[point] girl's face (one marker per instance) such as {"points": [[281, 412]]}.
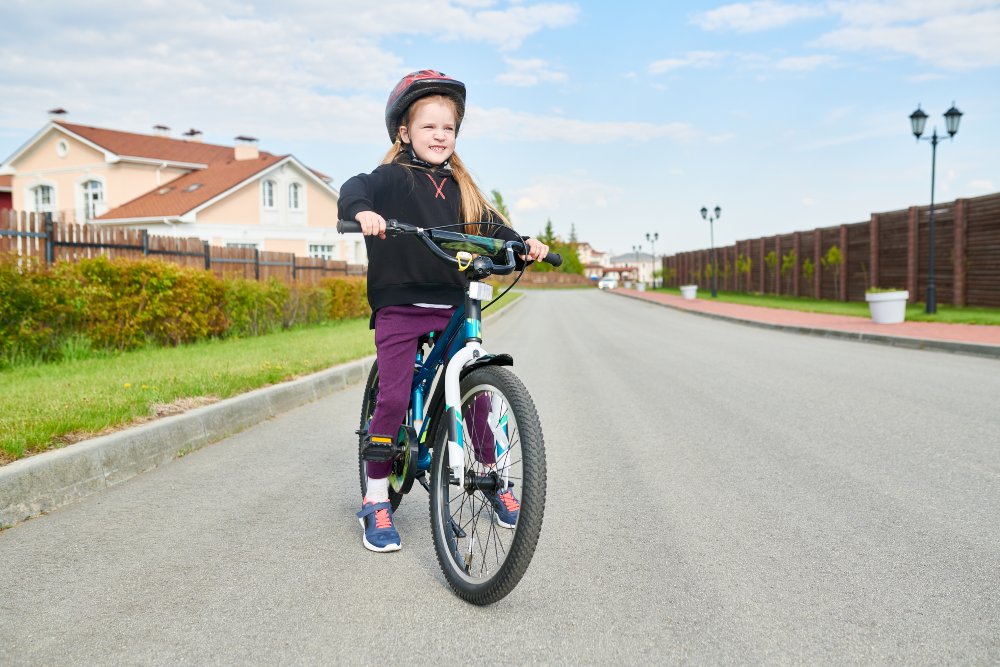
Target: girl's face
{"points": [[431, 129]]}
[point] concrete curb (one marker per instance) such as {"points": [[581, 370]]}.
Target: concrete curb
{"points": [[39, 484], [976, 349], [50, 480]]}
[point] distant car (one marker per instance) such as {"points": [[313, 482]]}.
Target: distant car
{"points": [[607, 282]]}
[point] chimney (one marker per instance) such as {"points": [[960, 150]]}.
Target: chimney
{"points": [[57, 113], [193, 135], [161, 130], [246, 148]]}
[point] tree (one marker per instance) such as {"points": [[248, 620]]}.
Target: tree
{"points": [[808, 271], [788, 262], [500, 206], [832, 261], [572, 234], [743, 266], [771, 262], [548, 237]]}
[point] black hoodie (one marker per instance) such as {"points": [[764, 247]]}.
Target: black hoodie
{"points": [[401, 270]]}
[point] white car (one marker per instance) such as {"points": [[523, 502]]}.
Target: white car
{"points": [[607, 282]]}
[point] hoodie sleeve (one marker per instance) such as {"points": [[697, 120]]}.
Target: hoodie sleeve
{"points": [[363, 192]]}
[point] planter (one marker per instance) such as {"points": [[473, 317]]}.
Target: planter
{"points": [[689, 292], [887, 307]]}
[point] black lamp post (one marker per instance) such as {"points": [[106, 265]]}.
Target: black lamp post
{"points": [[918, 119], [711, 231], [653, 238]]}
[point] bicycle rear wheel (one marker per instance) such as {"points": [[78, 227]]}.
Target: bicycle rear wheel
{"points": [[367, 410], [503, 450]]}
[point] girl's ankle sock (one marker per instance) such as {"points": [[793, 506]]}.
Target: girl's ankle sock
{"points": [[377, 490]]}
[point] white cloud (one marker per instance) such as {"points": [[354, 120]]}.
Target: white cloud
{"points": [[694, 59], [563, 194], [804, 63], [982, 185], [530, 72], [955, 40], [754, 16], [506, 125]]}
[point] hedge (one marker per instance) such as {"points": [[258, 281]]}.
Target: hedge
{"points": [[125, 304]]}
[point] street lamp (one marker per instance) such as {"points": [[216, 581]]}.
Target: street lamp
{"points": [[711, 231], [917, 121], [653, 238]]}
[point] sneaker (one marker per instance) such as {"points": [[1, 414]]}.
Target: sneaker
{"points": [[505, 507], [376, 520]]}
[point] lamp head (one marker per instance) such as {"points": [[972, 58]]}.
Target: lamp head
{"points": [[951, 118], [718, 212], [704, 213], [918, 119]]}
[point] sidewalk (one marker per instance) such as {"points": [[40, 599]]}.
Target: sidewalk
{"points": [[961, 338]]}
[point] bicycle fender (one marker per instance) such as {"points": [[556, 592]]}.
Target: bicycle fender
{"points": [[501, 359]]}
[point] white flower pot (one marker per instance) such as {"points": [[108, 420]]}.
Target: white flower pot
{"points": [[887, 307], [689, 291]]}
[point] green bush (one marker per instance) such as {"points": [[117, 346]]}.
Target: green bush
{"points": [[34, 315], [113, 305], [128, 304], [348, 297]]}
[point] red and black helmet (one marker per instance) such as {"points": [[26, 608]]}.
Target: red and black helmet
{"points": [[415, 85]]}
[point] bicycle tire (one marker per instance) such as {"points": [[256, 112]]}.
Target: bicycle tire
{"points": [[500, 560], [367, 409]]}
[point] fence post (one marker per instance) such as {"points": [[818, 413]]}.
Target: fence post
{"points": [[912, 248], [843, 267], [256, 264], [145, 243], [50, 241], [961, 227], [208, 257], [873, 251], [818, 264], [294, 267]]}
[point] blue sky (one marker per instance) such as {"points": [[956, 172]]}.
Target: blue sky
{"points": [[616, 119]]}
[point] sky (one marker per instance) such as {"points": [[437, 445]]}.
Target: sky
{"points": [[613, 120]]}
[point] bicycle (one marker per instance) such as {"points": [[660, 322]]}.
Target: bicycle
{"points": [[471, 425]]}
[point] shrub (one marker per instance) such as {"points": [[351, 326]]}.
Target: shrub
{"points": [[348, 297], [253, 308], [34, 315]]}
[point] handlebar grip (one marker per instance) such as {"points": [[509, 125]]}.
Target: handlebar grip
{"points": [[553, 258], [348, 226]]}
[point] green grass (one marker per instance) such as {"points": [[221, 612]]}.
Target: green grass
{"points": [[914, 312], [46, 406], [49, 405]]}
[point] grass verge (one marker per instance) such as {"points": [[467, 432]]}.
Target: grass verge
{"points": [[51, 405], [914, 312]]}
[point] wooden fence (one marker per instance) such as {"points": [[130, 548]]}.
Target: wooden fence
{"points": [[34, 235], [889, 250]]}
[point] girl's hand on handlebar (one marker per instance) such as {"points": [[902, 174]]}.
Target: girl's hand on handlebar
{"points": [[537, 250], [372, 224]]}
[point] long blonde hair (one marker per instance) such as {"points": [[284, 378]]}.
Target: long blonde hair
{"points": [[475, 205]]}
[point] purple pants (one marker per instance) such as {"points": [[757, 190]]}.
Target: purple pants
{"points": [[397, 329]]}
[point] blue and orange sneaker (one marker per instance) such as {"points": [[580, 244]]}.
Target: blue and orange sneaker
{"points": [[380, 533], [505, 507]]}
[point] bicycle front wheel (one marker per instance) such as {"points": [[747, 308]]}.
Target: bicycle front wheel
{"points": [[485, 531]]}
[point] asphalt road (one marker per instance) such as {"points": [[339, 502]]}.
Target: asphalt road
{"points": [[716, 494]]}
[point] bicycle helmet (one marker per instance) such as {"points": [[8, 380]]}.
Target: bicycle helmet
{"points": [[415, 85]]}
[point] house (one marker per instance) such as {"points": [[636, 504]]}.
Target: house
{"points": [[237, 196], [595, 262], [637, 266]]}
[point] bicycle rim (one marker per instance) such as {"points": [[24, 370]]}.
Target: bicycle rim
{"points": [[502, 446]]}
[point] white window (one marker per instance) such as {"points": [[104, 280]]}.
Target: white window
{"points": [[295, 196], [321, 251], [251, 246], [267, 192], [44, 198], [93, 199]]}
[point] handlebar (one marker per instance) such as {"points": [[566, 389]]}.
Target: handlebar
{"points": [[433, 237]]}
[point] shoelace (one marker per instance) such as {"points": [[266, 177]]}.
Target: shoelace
{"points": [[509, 501], [382, 519]]}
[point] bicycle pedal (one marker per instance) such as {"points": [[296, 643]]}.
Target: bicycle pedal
{"points": [[379, 449]]}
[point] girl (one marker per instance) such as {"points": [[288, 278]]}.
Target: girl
{"points": [[421, 181]]}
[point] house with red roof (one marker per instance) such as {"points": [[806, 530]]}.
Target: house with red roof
{"points": [[227, 195]]}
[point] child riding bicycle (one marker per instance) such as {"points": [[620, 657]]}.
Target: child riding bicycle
{"points": [[423, 181]]}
